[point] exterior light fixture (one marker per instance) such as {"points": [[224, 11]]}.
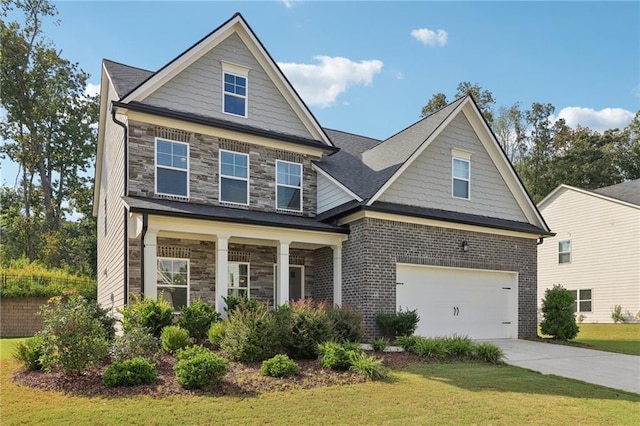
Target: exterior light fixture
{"points": [[465, 246]]}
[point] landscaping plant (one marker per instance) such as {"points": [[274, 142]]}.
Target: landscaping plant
{"points": [[28, 353], [489, 353], [379, 344], [251, 335], [279, 366], [459, 346], [408, 343], [431, 347], [216, 333], [148, 313], [345, 323], [617, 316], [309, 325], [197, 319], [130, 372], [369, 366], [401, 323], [559, 320], [336, 356], [174, 337], [136, 342], [198, 367]]}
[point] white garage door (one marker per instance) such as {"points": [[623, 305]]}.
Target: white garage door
{"points": [[477, 303]]}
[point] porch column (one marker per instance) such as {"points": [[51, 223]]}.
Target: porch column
{"points": [[282, 279], [222, 276], [150, 265], [337, 274]]}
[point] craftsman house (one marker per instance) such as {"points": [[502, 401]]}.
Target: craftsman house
{"points": [[214, 178]]}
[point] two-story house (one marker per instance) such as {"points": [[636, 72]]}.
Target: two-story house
{"points": [[214, 178]]}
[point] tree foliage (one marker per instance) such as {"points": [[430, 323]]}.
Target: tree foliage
{"points": [[557, 309], [483, 98]]}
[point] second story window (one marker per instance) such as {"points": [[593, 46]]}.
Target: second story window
{"points": [[234, 89], [234, 177], [564, 251], [172, 168], [288, 186], [461, 178]]}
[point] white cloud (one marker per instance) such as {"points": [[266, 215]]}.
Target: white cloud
{"points": [[429, 37], [321, 84], [288, 3], [607, 118], [92, 89]]}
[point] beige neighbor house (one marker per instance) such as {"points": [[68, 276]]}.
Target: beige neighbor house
{"points": [[596, 250], [214, 178]]}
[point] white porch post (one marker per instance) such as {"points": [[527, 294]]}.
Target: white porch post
{"points": [[150, 265], [222, 277], [282, 282], [337, 274]]}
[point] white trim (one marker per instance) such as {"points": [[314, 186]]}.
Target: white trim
{"points": [[546, 200], [275, 281], [336, 182], [155, 167], [243, 73], [454, 177], [460, 153], [247, 287], [234, 68], [220, 151], [159, 286], [278, 208]]}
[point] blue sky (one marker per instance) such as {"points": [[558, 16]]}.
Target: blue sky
{"points": [[369, 67]]}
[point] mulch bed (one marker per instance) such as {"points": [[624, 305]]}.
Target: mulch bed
{"points": [[241, 379]]}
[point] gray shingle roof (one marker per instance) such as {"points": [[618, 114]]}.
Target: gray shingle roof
{"points": [[627, 191], [125, 78]]}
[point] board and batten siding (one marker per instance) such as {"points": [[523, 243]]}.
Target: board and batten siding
{"points": [[605, 252], [330, 195], [198, 90], [427, 182], [111, 265]]}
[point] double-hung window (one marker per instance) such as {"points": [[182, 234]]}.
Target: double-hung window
{"points": [[288, 186], [234, 89], [581, 300], [564, 251], [234, 177], [461, 174], [173, 282], [239, 279], [172, 168]]}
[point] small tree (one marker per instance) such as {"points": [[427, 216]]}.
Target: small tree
{"points": [[557, 309]]}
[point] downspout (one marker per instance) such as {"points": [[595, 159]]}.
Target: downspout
{"points": [[125, 192], [540, 241], [145, 226]]}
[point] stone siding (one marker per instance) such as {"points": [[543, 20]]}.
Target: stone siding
{"points": [[19, 317]]}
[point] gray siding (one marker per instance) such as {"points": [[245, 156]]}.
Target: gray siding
{"points": [[427, 181], [330, 195], [198, 90]]}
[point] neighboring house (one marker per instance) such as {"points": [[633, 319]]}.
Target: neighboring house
{"points": [[214, 178], [596, 250]]}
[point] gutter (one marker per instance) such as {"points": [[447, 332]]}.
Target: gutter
{"points": [[145, 227], [125, 191]]}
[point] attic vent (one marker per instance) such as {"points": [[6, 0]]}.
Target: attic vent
{"points": [[289, 156], [239, 256], [235, 146], [293, 260], [172, 134], [175, 252]]}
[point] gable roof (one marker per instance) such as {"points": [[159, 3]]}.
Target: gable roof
{"points": [[125, 78], [626, 193]]}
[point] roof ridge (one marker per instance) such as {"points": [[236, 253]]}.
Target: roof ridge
{"points": [[126, 65], [353, 134]]}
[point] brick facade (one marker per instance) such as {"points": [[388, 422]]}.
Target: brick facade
{"points": [[19, 317]]}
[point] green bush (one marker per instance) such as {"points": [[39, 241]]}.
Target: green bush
{"points": [[488, 352], [197, 318], [173, 337], [131, 372], [74, 339], [345, 323], [148, 313], [241, 302], [459, 346], [309, 326], [408, 343], [434, 347], [137, 342], [216, 333], [379, 344], [31, 279], [401, 323], [279, 366], [198, 367], [28, 353], [251, 335], [335, 356], [369, 366], [108, 322], [557, 310], [617, 316]]}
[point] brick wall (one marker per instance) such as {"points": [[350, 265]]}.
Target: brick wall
{"points": [[19, 317]]}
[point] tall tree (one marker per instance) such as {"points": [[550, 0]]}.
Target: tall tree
{"points": [[437, 101], [509, 127], [483, 98], [628, 150]]}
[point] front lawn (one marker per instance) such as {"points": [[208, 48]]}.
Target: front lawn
{"points": [[620, 338], [456, 393]]}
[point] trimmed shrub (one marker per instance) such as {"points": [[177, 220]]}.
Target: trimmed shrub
{"points": [[335, 356], [216, 333], [136, 342], [309, 326], [241, 302], [28, 353], [198, 367], [559, 320], [148, 313], [197, 319], [379, 344], [401, 323], [435, 347], [108, 322], [174, 337], [130, 372], [488, 352], [369, 366], [345, 323], [279, 366], [408, 343], [459, 346], [251, 335]]}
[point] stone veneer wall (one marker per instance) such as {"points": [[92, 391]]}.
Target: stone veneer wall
{"points": [[203, 165], [19, 317], [375, 246]]}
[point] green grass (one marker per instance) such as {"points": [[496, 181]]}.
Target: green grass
{"points": [[421, 394], [620, 338]]}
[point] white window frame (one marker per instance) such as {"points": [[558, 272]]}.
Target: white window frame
{"points": [[454, 177], [237, 71], [560, 253], [578, 300], [275, 280], [220, 176], [161, 286], [247, 287], [289, 186], [156, 165]]}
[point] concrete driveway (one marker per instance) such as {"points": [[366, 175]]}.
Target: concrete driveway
{"points": [[616, 371]]}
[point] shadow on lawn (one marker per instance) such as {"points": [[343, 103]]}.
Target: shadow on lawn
{"points": [[481, 377]]}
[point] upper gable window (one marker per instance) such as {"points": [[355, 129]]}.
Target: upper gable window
{"points": [[288, 186], [234, 177], [234, 89], [461, 173], [172, 168]]}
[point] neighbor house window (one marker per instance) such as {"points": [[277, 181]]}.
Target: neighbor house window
{"points": [[234, 89], [234, 177], [288, 186], [564, 251], [461, 178], [239, 279], [173, 282], [172, 168], [582, 300]]}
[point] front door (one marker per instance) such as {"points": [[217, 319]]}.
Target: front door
{"points": [[296, 282]]}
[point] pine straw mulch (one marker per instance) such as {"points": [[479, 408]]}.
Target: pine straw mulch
{"points": [[241, 379]]}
